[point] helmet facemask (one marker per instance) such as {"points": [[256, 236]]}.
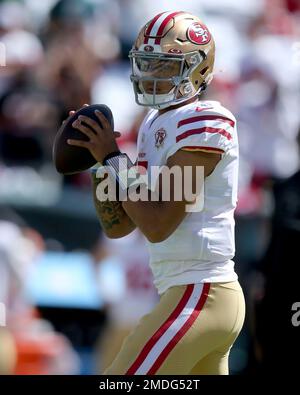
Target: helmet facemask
{"points": [[163, 80]]}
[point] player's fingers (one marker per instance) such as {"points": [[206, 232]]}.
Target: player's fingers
{"points": [[79, 143], [85, 130], [89, 121], [104, 122], [70, 114]]}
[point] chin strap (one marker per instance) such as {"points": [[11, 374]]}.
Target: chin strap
{"points": [[203, 87]]}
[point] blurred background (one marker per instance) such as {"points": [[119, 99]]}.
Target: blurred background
{"points": [[70, 294]]}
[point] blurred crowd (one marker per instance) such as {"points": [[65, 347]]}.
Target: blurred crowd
{"points": [[57, 55]]}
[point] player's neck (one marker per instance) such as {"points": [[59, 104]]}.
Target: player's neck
{"points": [[191, 100]]}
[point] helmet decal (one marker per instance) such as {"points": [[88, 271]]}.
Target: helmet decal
{"points": [[198, 33], [148, 48], [175, 50]]}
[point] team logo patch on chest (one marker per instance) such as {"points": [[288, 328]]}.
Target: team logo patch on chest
{"points": [[160, 136]]}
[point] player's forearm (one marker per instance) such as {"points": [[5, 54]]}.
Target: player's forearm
{"points": [[114, 220]]}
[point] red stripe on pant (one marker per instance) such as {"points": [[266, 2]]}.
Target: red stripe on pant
{"points": [[182, 331], [162, 329]]}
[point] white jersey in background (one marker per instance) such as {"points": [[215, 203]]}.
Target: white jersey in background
{"points": [[202, 247], [125, 280]]}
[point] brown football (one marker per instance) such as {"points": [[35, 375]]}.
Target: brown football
{"points": [[69, 159]]}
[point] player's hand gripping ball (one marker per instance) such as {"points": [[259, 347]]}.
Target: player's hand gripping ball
{"points": [[84, 139]]}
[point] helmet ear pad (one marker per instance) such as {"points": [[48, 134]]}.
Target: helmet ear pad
{"points": [[199, 78], [202, 75], [185, 88]]}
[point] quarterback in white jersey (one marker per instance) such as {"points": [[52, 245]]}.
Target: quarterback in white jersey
{"points": [[202, 246], [201, 310]]}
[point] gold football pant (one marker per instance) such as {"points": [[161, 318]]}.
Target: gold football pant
{"points": [[7, 352], [190, 331]]}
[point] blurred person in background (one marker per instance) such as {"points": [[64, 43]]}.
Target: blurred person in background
{"points": [[7, 352], [275, 329], [126, 284], [23, 54], [33, 347]]}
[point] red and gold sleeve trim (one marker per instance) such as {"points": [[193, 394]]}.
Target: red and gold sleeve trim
{"points": [[205, 149]]}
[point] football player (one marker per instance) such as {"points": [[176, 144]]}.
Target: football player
{"points": [[201, 309]]}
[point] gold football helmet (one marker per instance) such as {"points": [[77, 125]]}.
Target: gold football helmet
{"points": [[172, 60]]}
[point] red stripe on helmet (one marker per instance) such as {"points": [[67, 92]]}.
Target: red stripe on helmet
{"points": [[149, 28], [164, 24]]}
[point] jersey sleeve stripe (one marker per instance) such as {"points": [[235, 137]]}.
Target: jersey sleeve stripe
{"points": [[201, 118], [192, 132], [201, 148]]}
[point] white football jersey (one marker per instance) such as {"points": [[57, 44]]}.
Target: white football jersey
{"points": [[202, 247]]}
